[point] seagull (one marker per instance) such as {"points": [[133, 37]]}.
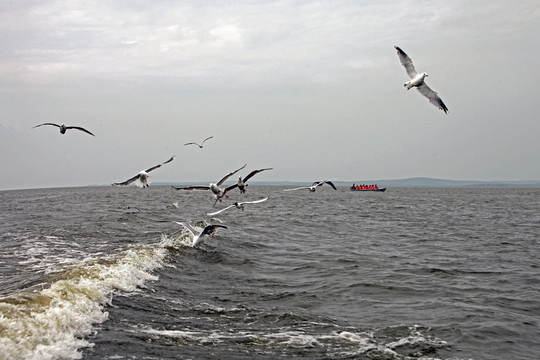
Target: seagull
{"points": [[216, 189], [417, 80], [313, 187], [142, 178], [242, 182], [199, 145], [198, 236], [239, 205], [63, 128]]}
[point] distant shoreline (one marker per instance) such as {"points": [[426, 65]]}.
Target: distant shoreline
{"points": [[417, 182], [408, 182]]}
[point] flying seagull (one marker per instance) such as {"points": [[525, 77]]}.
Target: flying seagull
{"points": [[142, 178], [63, 128], [216, 189], [199, 145], [239, 205], [198, 236], [242, 182], [313, 187], [417, 80]]}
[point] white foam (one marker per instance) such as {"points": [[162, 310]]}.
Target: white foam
{"points": [[53, 322], [345, 343]]}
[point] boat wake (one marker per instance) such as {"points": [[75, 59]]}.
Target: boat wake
{"points": [[53, 322], [317, 340]]}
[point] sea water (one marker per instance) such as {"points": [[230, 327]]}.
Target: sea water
{"points": [[106, 273]]}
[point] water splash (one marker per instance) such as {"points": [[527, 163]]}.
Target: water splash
{"points": [[53, 322]]}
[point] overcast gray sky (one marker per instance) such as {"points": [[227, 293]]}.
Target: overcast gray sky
{"points": [[312, 88]]}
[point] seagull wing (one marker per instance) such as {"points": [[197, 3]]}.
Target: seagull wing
{"points": [[298, 188], [191, 143], [253, 173], [406, 62], [220, 211], [157, 166], [227, 189], [229, 175], [79, 128], [129, 181], [212, 229], [208, 138], [196, 187], [318, 183], [331, 184], [432, 96], [46, 124], [189, 228]]}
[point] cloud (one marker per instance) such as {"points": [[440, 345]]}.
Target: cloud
{"points": [[306, 87], [178, 39]]}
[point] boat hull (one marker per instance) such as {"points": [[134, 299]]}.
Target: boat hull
{"points": [[379, 190]]}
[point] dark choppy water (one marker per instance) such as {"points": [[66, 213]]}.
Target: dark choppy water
{"points": [[410, 273]]}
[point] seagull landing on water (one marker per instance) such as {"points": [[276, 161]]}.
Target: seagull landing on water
{"points": [[417, 80], [199, 236], [238, 205], [313, 187], [199, 145], [242, 182], [142, 178], [63, 128], [216, 189]]}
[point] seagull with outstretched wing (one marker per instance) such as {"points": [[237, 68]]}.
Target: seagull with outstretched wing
{"points": [[199, 145], [199, 236], [242, 182], [63, 128], [218, 191], [418, 81], [238, 205], [143, 179], [313, 187]]}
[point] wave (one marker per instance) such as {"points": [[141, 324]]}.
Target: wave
{"points": [[53, 322], [401, 342]]}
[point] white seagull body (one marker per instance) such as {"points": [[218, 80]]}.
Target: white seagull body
{"points": [[418, 81], [242, 182], [238, 205], [216, 189], [199, 236], [199, 145], [313, 187], [143, 179], [63, 128]]}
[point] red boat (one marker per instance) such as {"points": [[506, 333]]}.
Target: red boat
{"points": [[367, 188]]}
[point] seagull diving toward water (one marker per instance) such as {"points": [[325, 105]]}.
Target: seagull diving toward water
{"points": [[313, 187], [199, 145], [216, 189], [242, 182], [63, 128], [417, 80], [239, 205], [199, 236], [142, 178]]}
